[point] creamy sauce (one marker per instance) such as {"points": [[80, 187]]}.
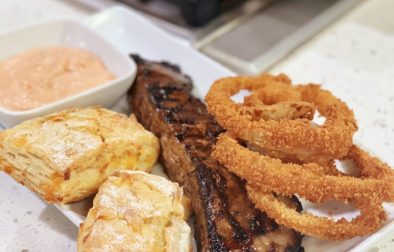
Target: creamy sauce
{"points": [[45, 75]]}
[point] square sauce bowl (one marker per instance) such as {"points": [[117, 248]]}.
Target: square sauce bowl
{"points": [[69, 33]]}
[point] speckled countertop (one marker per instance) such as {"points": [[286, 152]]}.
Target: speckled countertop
{"points": [[354, 58]]}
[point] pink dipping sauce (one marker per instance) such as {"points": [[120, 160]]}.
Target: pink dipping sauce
{"points": [[44, 75]]}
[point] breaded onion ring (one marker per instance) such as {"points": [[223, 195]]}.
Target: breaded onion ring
{"points": [[309, 181], [277, 101], [329, 165], [298, 137], [271, 94], [284, 110], [370, 167], [371, 218]]}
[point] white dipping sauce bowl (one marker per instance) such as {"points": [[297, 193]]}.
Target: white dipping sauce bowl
{"points": [[69, 33]]}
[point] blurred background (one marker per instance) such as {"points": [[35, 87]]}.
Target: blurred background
{"points": [[248, 36]]}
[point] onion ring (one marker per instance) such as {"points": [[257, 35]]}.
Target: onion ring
{"points": [[284, 110], [271, 94], [310, 181], [371, 218], [329, 165], [276, 101], [370, 166], [296, 137]]}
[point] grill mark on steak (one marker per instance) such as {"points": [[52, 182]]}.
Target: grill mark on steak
{"points": [[226, 220]]}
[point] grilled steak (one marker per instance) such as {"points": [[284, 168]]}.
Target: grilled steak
{"points": [[226, 220]]}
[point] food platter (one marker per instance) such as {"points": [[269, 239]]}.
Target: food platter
{"points": [[131, 33], [160, 81]]}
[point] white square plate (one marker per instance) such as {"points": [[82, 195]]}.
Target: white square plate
{"points": [[131, 33]]}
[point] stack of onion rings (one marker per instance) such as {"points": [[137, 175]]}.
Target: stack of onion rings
{"points": [[298, 155], [294, 137]]}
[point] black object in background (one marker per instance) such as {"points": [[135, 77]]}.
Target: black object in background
{"points": [[195, 13], [200, 12]]}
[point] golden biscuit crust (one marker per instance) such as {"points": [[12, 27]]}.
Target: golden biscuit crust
{"points": [[66, 156], [136, 211]]}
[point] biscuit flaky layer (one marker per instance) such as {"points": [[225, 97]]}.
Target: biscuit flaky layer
{"points": [[136, 211], [66, 156]]}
